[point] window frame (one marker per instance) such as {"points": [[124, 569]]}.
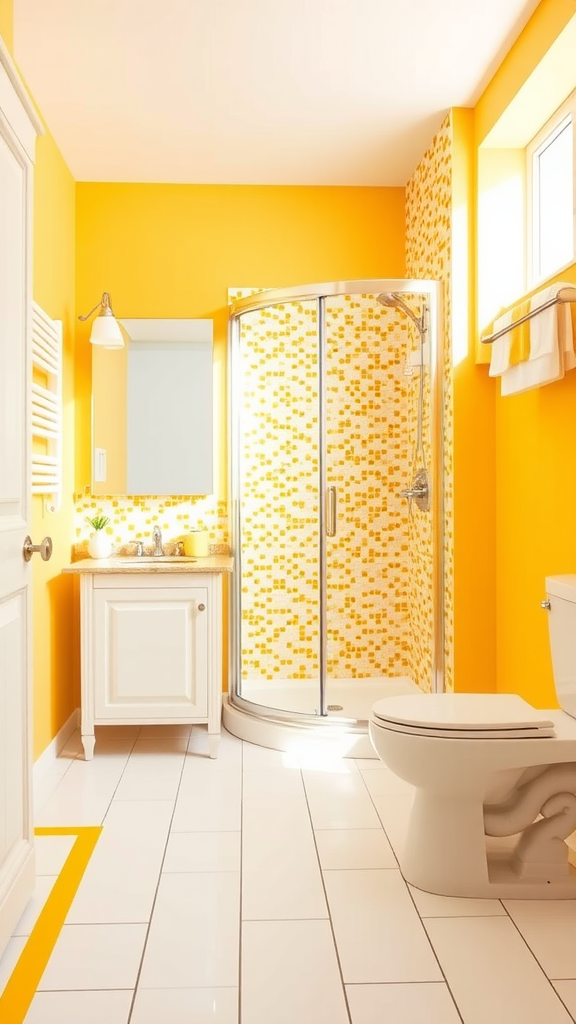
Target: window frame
{"points": [[553, 126]]}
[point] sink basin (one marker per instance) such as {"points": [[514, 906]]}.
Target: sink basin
{"points": [[155, 559]]}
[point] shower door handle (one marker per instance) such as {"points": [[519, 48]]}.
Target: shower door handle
{"points": [[331, 512]]}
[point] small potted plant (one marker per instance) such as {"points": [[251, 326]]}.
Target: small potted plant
{"points": [[99, 544]]}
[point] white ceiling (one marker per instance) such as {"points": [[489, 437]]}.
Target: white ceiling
{"points": [[305, 92]]}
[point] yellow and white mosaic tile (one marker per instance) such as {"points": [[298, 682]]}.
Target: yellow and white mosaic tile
{"points": [[369, 445], [428, 255], [132, 519]]}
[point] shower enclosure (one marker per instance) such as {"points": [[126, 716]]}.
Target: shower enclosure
{"points": [[336, 507]]}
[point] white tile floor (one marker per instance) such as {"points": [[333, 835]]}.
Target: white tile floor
{"points": [[256, 890]]}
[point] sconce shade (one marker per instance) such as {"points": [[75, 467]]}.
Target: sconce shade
{"points": [[106, 330]]}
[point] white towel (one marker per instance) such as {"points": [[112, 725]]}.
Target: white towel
{"points": [[551, 347], [500, 349]]}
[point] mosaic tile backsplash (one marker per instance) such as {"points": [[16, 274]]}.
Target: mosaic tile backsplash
{"points": [[132, 519]]}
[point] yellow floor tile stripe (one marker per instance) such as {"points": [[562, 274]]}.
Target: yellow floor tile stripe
{"points": [[21, 988]]}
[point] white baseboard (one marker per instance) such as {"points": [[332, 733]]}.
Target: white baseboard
{"points": [[48, 757]]}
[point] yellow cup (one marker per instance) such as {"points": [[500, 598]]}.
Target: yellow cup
{"points": [[196, 544]]}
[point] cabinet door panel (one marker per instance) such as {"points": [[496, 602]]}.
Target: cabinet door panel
{"points": [[151, 652]]}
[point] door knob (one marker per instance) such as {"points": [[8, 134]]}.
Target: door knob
{"points": [[201, 607], [45, 549]]}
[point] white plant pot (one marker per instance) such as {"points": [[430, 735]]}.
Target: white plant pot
{"points": [[100, 545]]}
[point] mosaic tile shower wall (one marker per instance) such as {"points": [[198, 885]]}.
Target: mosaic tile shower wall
{"points": [[367, 430], [368, 462], [420, 535], [428, 255]]}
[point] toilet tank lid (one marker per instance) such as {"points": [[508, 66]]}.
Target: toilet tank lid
{"points": [[562, 586]]}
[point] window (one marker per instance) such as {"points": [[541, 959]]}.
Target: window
{"points": [[551, 195]]}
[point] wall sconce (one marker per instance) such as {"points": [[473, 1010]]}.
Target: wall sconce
{"points": [[106, 330]]}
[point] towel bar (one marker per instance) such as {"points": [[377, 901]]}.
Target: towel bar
{"points": [[564, 295]]}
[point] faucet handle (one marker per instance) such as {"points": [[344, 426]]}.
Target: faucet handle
{"points": [[178, 547], [139, 548]]}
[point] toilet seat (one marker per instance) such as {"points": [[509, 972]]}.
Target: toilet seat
{"points": [[462, 716]]}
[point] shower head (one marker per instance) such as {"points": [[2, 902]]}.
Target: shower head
{"points": [[395, 301]]}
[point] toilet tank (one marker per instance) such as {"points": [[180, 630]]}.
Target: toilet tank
{"points": [[561, 591]]}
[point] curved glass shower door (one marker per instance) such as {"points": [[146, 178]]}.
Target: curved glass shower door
{"points": [[276, 436], [337, 580]]}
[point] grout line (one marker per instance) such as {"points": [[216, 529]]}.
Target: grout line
{"points": [[409, 891], [336, 950], [533, 954], [155, 897]]}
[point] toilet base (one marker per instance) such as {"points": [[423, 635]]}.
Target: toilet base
{"points": [[447, 853]]}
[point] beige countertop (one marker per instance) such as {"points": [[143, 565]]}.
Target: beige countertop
{"points": [[147, 563]]}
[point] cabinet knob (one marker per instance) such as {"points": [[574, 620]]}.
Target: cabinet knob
{"points": [[201, 607]]}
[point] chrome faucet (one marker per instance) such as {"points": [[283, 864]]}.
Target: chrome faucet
{"points": [[157, 535]]}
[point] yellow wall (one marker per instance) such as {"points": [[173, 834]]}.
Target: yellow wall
{"points": [[535, 446], [6, 22], [174, 250]]}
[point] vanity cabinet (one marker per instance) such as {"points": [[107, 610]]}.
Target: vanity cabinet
{"points": [[151, 647]]}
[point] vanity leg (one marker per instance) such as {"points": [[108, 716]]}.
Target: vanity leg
{"points": [[88, 741], [213, 741]]}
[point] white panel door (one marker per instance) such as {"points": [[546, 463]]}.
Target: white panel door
{"points": [[16, 834]]}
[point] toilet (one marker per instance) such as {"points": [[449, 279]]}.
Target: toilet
{"points": [[494, 779]]}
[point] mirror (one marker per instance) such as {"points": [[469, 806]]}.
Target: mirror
{"points": [[152, 410]]}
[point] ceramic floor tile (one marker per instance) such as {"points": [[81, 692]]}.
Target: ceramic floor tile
{"points": [[120, 880], [290, 973], [202, 851], [425, 1003], [51, 853], [549, 928], [262, 757], [280, 875], [84, 794], [85, 1007], [154, 732], [491, 972], [186, 1006], [43, 790], [194, 934], [394, 814], [208, 801], [567, 992], [354, 848], [160, 743], [163, 754], [149, 785], [95, 956], [276, 781], [280, 871], [339, 801], [42, 890], [379, 935], [383, 782], [430, 905], [367, 764]]}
